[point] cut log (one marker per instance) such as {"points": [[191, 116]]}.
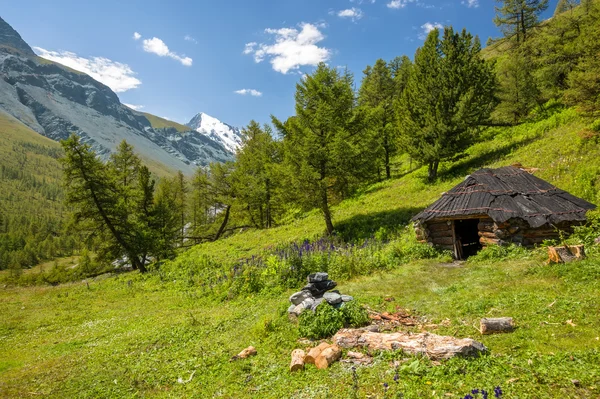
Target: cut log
{"points": [[431, 345], [312, 354], [487, 234], [496, 325], [485, 226], [442, 240], [566, 253], [438, 227], [328, 356], [297, 360], [249, 351], [490, 241]]}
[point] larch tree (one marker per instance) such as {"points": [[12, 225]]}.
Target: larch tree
{"points": [[325, 142], [517, 17], [376, 96], [449, 95]]}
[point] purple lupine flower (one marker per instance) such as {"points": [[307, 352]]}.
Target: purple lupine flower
{"points": [[498, 392], [385, 386], [468, 396], [484, 394], [475, 391], [396, 377]]}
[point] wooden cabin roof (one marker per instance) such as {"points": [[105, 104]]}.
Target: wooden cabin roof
{"points": [[506, 193]]}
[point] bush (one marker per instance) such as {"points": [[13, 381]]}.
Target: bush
{"points": [[327, 320]]}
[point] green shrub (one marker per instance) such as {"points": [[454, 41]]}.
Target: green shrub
{"points": [[500, 252], [327, 320]]}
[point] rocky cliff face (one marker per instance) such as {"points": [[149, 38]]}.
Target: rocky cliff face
{"points": [[56, 101]]}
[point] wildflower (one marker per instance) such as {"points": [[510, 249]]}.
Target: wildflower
{"points": [[475, 391], [396, 377], [469, 396], [497, 392], [484, 394], [385, 386]]}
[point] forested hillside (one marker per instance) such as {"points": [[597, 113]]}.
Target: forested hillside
{"points": [[32, 209]]}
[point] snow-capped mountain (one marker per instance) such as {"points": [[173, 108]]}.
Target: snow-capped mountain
{"points": [[228, 136], [56, 101]]}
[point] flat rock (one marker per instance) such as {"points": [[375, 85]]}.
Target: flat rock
{"points": [[298, 297], [347, 298], [431, 345], [332, 298], [308, 303], [317, 277]]}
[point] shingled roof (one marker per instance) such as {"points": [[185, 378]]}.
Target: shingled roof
{"points": [[507, 193]]}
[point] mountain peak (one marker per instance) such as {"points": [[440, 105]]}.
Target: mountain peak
{"points": [[228, 136], [11, 38]]}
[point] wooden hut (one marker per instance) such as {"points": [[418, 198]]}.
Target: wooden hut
{"points": [[499, 206]]}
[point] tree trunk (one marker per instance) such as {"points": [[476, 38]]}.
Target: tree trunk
{"points": [[388, 173], [432, 170], [328, 356], [315, 352], [297, 360], [497, 325], [224, 224], [326, 211]]}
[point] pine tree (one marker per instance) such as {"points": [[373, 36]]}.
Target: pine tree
{"points": [[324, 142], [376, 96], [564, 5], [449, 94], [517, 17], [518, 93]]}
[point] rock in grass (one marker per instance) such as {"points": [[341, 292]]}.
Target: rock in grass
{"points": [[317, 277], [308, 303], [299, 297], [332, 298], [347, 298]]}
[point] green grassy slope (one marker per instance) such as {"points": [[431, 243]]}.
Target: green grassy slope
{"points": [[558, 146], [158, 122], [135, 336]]}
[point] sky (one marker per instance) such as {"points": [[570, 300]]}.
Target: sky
{"points": [[236, 60]]}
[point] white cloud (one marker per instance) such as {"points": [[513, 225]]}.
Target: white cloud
{"points": [[291, 48], [362, 1], [134, 107], [189, 38], [252, 92], [428, 27], [399, 3], [471, 3], [158, 47], [136, 36], [119, 77], [353, 13]]}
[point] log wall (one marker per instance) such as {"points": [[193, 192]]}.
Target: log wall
{"points": [[439, 232]]}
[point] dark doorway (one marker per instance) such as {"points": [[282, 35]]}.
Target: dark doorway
{"points": [[467, 237]]}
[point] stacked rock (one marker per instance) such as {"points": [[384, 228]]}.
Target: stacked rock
{"points": [[319, 289]]}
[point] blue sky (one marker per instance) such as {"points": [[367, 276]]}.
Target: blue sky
{"points": [[236, 60]]}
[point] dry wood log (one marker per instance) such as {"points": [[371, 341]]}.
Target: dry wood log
{"points": [[432, 345], [297, 360], [438, 227], [489, 241], [566, 253], [496, 325], [487, 234], [249, 351], [312, 354], [442, 241], [328, 356]]}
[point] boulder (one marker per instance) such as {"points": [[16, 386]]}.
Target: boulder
{"points": [[299, 297], [318, 277], [332, 298], [318, 289], [308, 303]]}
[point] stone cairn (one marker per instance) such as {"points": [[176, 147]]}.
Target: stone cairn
{"points": [[319, 289]]}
